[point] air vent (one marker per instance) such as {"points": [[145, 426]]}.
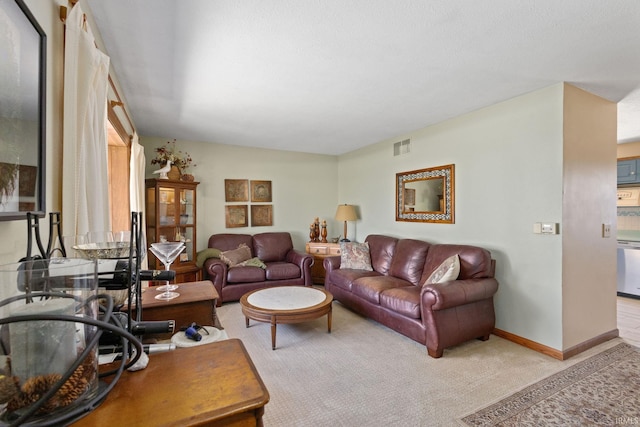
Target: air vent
{"points": [[402, 147]]}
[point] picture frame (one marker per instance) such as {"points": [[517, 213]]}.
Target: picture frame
{"points": [[236, 190], [261, 191], [261, 215], [22, 146], [236, 216]]}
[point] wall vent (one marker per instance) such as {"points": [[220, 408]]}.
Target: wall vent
{"points": [[402, 147]]}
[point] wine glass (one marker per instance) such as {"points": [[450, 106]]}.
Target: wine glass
{"points": [[167, 252]]}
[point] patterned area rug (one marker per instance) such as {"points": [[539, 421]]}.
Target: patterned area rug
{"points": [[601, 390]]}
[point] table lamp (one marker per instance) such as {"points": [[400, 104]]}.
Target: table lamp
{"points": [[346, 213]]}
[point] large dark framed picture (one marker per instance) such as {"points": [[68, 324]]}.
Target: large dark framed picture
{"points": [[22, 112]]}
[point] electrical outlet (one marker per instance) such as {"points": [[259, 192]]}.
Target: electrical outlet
{"points": [[606, 230]]}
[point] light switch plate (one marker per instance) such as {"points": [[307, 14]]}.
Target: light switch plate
{"points": [[606, 230]]}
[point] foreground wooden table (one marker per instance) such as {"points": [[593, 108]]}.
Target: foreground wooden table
{"points": [[209, 385]]}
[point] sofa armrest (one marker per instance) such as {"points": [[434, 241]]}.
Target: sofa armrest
{"points": [[304, 261], [331, 263], [216, 271], [440, 296]]}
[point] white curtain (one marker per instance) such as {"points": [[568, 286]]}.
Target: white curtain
{"points": [[85, 180], [136, 184]]}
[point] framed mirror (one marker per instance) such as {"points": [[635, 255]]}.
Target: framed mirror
{"points": [[426, 195], [22, 112]]}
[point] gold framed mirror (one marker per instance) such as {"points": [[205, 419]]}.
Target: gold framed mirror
{"points": [[426, 195]]}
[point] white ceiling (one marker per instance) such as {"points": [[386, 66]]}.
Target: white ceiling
{"points": [[331, 76]]}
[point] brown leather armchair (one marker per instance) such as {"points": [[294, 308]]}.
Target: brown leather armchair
{"points": [[284, 265]]}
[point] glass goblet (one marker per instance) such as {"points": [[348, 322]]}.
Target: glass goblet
{"points": [[167, 253]]}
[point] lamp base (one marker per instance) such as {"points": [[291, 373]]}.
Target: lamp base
{"points": [[345, 240]]}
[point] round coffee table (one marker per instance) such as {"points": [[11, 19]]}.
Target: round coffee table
{"points": [[286, 304]]}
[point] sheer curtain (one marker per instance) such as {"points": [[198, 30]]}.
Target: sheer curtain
{"points": [[136, 183], [85, 181]]}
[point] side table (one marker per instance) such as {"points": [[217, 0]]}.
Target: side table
{"points": [[196, 303], [215, 384], [320, 251]]}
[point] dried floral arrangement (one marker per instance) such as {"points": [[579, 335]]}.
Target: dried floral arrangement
{"points": [[8, 173], [168, 152]]}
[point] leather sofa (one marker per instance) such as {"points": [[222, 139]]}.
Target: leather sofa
{"points": [[284, 266], [439, 315]]}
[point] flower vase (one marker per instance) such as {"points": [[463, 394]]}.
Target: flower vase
{"points": [[174, 173]]}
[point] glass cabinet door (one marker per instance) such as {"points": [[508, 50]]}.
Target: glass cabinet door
{"points": [[166, 206], [186, 207]]}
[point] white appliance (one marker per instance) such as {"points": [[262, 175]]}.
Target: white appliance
{"points": [[629, 196], [629, 268]]}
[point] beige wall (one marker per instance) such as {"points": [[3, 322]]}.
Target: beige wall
{"points": [[588, 259], [509, 175], [304, 186]]}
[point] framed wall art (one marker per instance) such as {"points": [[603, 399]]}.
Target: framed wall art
{"points": [[236, 216], [22, 112], [236, 190], [261, 191], [261, 215]]}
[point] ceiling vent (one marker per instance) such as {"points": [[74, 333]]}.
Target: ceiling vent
{"points": [[402, 147]]}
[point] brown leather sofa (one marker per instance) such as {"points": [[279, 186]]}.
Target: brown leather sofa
{"points": [[438, 315], [284, 265]]}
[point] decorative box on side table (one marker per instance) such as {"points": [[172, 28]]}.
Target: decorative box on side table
{"points": [[320, 251]]}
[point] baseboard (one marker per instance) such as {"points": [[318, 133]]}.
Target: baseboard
{"points": [[557, 354]]}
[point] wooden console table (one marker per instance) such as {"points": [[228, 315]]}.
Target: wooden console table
{"points": [[320, 251], [214, 384], [196, 303]]}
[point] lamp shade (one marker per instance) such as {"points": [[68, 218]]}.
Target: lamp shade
{"points": [[346, 213]]}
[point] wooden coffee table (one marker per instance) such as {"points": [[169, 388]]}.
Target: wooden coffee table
{"points": [[286, 304]]}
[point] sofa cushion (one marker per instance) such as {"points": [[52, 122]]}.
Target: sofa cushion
{"points": [[381, 249], [245, 275], [272, 247], [408, 260], [344, 278], [475, 262], [355, 256], [448, 270], [236, 256], [282, 271], [370, 287], [404, 300]]}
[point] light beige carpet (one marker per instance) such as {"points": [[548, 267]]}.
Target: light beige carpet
{"points": [[364, 374]]}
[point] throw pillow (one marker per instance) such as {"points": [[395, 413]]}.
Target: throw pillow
{"points": [[253, 262], [448, 270], [355, 255], [236, 256], [205, 254]]}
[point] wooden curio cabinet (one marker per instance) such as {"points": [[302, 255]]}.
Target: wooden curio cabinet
{"points": [[171, 215]]}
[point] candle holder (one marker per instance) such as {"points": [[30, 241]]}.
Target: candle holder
{"points": [[51, 358]]}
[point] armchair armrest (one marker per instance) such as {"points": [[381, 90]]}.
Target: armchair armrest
{"points": [[216, 271], [304, 261], [440, 296]]}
